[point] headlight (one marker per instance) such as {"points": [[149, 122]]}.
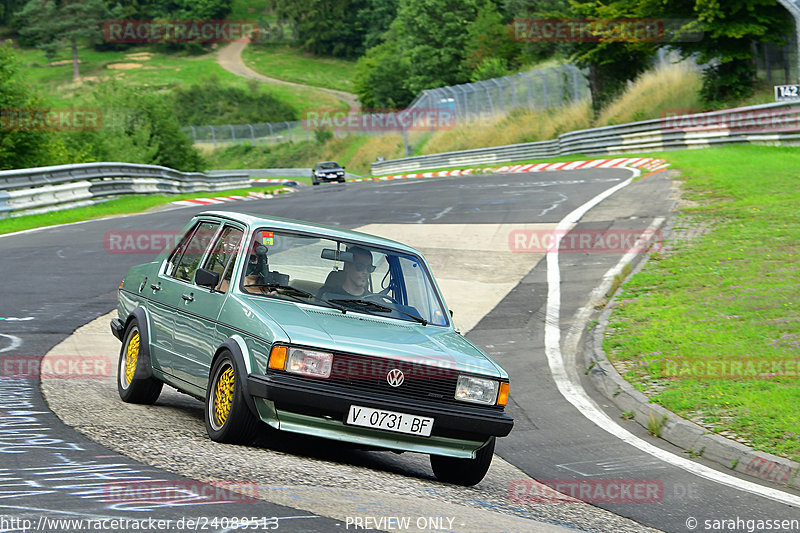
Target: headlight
{"points": [[309, 363], [340, 173], [477, 390]]}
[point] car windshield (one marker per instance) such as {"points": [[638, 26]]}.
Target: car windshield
{"points": [[348, 276], [328, 165]]}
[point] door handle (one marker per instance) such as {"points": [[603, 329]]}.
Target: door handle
{"points": [[188, 297]]}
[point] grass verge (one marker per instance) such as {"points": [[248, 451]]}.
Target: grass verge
{"points": [[710, 329], [287, 63], [118, 206], [144, 66]]}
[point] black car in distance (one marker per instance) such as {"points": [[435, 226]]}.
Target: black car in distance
{"points": [[327, 171]]}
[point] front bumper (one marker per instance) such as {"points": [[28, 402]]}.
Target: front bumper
{"points": [[326, 177], [117, 328], [327, 404]]}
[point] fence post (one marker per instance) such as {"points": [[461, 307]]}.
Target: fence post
{"points": [[544, 89], [289, 128], [252, 134], [530, 90], [576, 89], [271, 133], [560, 84], [213, 136]]}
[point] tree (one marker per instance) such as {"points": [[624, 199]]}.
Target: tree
{"points": [[431, 36], [7, 10], [612, 59], [324, 27], [54, 25], [729, 30], [489, 44], [18, 148], [376, 18], [380, 76]]}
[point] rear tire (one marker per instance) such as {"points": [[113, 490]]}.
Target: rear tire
{"points": [[132, 389], [228, 419], [465, 472]]}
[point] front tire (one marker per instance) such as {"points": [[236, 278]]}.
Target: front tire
{"points": [[228, 418], [132, 389], [465, 472]]}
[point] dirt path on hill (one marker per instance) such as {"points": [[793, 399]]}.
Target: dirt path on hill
{"points": [[230, 58]]}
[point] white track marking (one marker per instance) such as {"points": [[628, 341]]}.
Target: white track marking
{"points": [[16, 342], [568, 383]]}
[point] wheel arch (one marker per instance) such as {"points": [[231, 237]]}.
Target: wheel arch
{"points": [[144, 367], [240, 354]]}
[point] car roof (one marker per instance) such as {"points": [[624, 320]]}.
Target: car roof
{"points": [[326, 162], [253, 221]]}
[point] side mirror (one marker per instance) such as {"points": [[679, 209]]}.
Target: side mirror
{"points": [[206, 278], [451, 313]]}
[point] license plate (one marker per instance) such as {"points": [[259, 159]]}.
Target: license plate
{"points": [[390, 421]]}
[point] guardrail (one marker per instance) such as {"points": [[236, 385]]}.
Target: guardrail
{"points": [[769, 123], [43, 189]]}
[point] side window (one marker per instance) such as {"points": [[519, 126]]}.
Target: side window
{"points": [[223, 255], [191, 252]]}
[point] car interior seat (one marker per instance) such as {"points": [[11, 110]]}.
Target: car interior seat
{"points": [[333, 283]]}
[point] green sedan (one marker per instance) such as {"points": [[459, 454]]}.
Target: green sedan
{"points": [[310, 329]]}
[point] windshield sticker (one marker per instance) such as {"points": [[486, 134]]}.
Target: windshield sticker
{"points": [[267, 238]]}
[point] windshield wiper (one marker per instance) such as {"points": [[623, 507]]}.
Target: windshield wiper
{"points": [[295, 290], [380, 308]]}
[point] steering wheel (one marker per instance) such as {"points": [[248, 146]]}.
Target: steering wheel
{"points": [[383, 297]]}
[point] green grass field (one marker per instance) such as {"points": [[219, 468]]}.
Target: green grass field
{"points": [[115, 207], [287, 63], [710, 329], [144, 67]]}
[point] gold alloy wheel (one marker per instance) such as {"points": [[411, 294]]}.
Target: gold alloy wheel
{"points": [[223, 396], [131, 357]]}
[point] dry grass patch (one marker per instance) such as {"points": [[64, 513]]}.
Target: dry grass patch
{"points": [[123, 66], [518, 126], [387, 146], [667, 89]]}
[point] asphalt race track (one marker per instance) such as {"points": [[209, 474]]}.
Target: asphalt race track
{"points": [[57, 280]]}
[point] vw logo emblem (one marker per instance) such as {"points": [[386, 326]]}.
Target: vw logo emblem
{"points": [[395, 377]]}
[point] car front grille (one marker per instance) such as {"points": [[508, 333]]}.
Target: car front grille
{"points": [[423, 381]]}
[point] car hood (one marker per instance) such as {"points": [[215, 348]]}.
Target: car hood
{"points": [[360, 333]]}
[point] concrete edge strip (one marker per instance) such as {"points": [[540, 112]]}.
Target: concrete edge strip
{"points": [[693, 438], [568, 383]]}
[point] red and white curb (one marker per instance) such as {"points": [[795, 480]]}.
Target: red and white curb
{"points": [[653, 165], [226, 199], [277, 181]]}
